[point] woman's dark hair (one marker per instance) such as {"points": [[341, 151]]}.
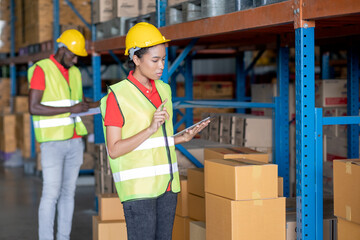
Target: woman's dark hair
{"points": [[139, 54]]}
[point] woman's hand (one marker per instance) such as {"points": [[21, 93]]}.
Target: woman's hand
{"points": [[159, 117], [190, 134]]}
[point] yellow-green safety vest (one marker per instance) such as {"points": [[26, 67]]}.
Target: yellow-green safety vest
{"points": [[146, 171], [58, 93]]}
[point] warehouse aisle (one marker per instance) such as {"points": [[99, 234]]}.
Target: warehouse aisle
{"points": [[19, 200]]}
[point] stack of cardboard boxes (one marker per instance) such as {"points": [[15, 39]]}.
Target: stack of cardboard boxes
{"points": [[347, 198], [182, 220], [5, 26], [242, 198], [110, 223]]}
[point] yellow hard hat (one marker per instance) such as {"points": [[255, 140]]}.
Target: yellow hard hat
{"points": [[143, 35], [74, 41]]}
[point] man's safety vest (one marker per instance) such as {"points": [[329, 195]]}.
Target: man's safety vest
{"points": [[146, 171], [58, 93]]}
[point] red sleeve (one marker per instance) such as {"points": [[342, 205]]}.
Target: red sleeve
{"points": [[113, 115], [38, 79]]}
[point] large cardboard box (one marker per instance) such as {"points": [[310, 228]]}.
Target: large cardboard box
{"points": [[181, 228], [346, 189], [147, 6], [182, 201], [109, 230], [196, 206], [347, 230], [196, 181], [125, 8], [253, 219], [21, 104], [241, 180], [110, 207], [197, 231], [8, 133], [235, 153]]}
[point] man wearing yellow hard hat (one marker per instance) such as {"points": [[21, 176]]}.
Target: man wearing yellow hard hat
{"points": [[138, 129], [55, 93]]}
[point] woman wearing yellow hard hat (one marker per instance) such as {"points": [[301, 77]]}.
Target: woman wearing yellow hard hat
{"points": [[137, 119]]}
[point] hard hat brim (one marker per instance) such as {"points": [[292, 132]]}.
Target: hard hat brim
{"points": [[150, 45]]}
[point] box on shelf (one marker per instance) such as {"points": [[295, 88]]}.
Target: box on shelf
{"points": [[21, 104], [125, 8], [196, 181], [241, 179], [280, 187], [347, 230], [109, 230], [196, 206], [182, 199], [247, 219], [346, 189], [102, 10], [235, 153], [8, 133], [181, 228], [110, 207], [197, 230], [331, 93]]}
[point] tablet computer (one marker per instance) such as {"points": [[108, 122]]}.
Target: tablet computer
{"points": [[183, 131]]}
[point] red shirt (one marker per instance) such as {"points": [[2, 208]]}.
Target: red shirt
{"points": [[113, 116], [38, 79]]}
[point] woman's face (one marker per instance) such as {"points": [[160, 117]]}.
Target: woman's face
{"points": [[151, 64]]}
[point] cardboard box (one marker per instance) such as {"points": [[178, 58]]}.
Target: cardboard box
{"points": [[241, 180], [109, 230], [102, 10], [347, 230], [110, 207], [235, 153], [253, 219], [147, 6], [331, 93], [182, 201], [197, 231], [181, 228], [196, 206], [21, 104], [196, 181], [125, 8], [280, 187], [346, 189]]}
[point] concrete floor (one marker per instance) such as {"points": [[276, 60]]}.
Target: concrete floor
{"points": [[19, 201]]}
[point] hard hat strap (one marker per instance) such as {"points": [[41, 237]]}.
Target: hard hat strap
{"points": [[132, 51]]}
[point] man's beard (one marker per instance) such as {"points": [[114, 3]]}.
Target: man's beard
{"points": [[62, 62]]}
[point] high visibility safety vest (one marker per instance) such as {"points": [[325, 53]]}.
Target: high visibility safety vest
{"points": [[146, 171], [58, 93]]}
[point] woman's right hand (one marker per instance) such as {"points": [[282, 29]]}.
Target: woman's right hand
{"points": [[159, 117]]}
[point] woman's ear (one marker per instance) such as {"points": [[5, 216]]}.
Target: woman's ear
{"points": [[136, 60]]}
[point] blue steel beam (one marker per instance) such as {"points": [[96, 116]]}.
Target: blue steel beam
{"points": [[189, 156], [160, 12], [221, 104], [181, 57], [305, 140], [240, 80], [319, 172], [353, 99], [341, 120], [96, 63], [78, 14], [56, 23], [189, 79], [281, 112], [12, 48]]}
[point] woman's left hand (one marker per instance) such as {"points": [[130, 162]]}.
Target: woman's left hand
{"points": [[190, 134]]}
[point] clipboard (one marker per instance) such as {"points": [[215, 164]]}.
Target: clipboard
{"points": [[192, 126]]}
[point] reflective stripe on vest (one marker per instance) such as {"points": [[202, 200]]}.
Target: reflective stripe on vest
{"points": [[56, 122], [155, 143], [61, 103], [144, 172]]}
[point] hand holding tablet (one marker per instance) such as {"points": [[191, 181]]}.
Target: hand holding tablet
{"points": [[192, 126]]}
